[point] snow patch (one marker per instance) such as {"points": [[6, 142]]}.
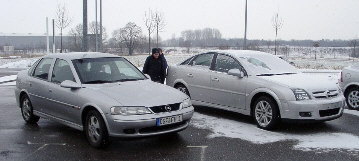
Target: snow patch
{"points": [[26, 63], [233, 129], [351, 112], [8, 78]]}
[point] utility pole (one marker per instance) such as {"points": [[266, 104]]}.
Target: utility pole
{"points": [[245, 29], [101, 45], [47, 36], [53, 36], [84, 24], [96, 44]]}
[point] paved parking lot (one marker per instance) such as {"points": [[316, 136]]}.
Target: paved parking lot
{"points": [[212, 135]]}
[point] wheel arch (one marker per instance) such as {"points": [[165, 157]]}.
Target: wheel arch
{"points": [[263, 92], [349, 86], [88, 108]]}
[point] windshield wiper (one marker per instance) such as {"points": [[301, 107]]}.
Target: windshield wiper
{"points": [[265, 74], [124, 80], [275, 74], [97, 82]]}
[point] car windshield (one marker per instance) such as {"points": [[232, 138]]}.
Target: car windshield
{"points": [[268, 65], [106, 70]]}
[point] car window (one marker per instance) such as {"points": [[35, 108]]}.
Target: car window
{"points": [[203, 60], [186, 61], [106, 70], [42, 69], [62, 72], [225, 63]]}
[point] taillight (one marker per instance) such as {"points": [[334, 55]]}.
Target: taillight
{"points": [[341, 76]]}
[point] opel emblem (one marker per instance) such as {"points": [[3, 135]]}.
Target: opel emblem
{"points": [[168, 108]]}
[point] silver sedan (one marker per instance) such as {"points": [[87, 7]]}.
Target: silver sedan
{"points": [[349, 82], [102, 94], [257, 84]]}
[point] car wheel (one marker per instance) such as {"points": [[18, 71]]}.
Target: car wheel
{"points": [[266, 113], [352, 98], [27, 111], [183, 89], [95, 130]]}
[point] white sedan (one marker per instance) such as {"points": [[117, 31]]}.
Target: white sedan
{"points": [[257, 84]]}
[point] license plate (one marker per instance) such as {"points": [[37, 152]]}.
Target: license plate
{"points": [[169, 120]]}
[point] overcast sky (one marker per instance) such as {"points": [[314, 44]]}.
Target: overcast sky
{"points": [[302, 19]]}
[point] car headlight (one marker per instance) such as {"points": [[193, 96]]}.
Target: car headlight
{"points": [[300, 94], [186, 103], [130, 111]]}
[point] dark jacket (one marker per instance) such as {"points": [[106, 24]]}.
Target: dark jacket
{"points": [[154, 68]]}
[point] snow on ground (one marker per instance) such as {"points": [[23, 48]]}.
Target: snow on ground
{"points": [[221, 127], [352, 112], [8, 78], [17, 63]]}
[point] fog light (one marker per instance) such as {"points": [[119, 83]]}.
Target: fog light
{"points": [[129, 131], [305, 114]]}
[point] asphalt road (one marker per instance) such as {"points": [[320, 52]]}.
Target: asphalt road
{"points": [[52, 141]]}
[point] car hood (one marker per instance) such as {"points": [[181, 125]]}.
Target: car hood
{"points": [[140, 93], [304, 81]]}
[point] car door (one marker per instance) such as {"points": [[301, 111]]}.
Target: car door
{"points": [[197, 76], [227, 90], [65, 100], [38, 83]]}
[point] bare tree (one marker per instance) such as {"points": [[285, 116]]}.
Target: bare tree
{"points": [[315, 45], [354, 44], [159, 22], [76, 38], [277, 23], [150, 25], [129, 35], [92, 30], [62, 20]]}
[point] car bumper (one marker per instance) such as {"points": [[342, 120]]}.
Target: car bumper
{"points": [[313, 110], [146, 125]]}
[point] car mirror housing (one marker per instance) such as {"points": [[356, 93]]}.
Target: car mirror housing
{"points": [[236, 72], [70, 84]]}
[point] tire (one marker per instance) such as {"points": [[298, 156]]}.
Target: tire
{"points": [[352, 98], [27, 111], [95, 130], [266, 113], [183, 89]]}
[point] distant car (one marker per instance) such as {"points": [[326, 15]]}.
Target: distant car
{"points": [[102, 94], [257, 84], [349, 82], [286, 59]]}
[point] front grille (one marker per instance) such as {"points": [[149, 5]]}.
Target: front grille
{"points": [[158, 109], [330, 112], [325, 94], [155, 129]]}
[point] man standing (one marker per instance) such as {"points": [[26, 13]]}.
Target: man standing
{"points": [[164, 63], [154, 66]]}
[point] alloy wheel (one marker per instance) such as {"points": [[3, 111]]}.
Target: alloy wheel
{"points": [[263, 113], [94, 130], [353, 99]]}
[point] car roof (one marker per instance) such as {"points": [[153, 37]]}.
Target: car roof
{"points": [[241, 53], [79, 55]]}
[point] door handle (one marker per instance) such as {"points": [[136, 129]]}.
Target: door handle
{"points": [[30, 84], [189, 75], [215, 79]]}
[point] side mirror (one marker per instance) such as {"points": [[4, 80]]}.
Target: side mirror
{"points": [[70, 84], [236, 72], [148, 76]]}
